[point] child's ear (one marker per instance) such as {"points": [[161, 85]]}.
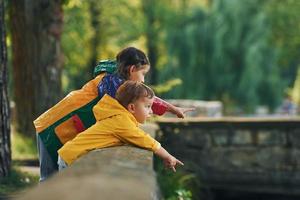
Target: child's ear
{"points": [[132, 69], [131, 108]]}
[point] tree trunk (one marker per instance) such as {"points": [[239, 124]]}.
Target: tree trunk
{"points": [[95, 13], [36, 27], [151, 37], [5, 153]]}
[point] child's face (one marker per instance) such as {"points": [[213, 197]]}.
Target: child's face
{"points": [[138, 74], [141, 109]]}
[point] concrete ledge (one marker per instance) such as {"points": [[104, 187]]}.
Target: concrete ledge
{"points": [[123, 172]]}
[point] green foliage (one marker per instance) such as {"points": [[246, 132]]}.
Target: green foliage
{"points": [[23, 147], [16, 181], [285, 23], [295, 91], [76, 35], [182, 195], [242, 52], [117, 29], [166, 86], [175, 185], [224, 52]]}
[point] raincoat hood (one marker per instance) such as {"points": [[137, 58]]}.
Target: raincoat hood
{"points": [[108, 107]]}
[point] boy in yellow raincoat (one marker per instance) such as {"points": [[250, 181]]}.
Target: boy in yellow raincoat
{"points": [[117, 124]]}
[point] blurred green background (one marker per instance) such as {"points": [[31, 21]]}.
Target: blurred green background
{"points": [[243, 53]]}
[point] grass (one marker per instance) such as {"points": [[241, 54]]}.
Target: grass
{"points": [[23, 147], [16, 182]]}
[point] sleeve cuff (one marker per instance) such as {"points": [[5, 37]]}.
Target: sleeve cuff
{"points": [[159, 107], [156, 146]]}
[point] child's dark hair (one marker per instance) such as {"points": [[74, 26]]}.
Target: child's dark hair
{"points": [[131, 91], [128, 57]]}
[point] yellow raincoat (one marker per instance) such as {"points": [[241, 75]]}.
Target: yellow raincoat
{"points": [[114, 126]]}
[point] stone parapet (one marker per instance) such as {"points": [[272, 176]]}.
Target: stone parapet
{"points": [[123, 172], [245, 154]]}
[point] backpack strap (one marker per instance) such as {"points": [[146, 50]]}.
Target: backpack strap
{"points": [[108, 66]]}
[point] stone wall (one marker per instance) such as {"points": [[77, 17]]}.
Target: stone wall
{"points": [[248, 154], [116, 173]]}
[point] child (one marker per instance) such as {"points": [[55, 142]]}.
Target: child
{"points": [[73, 114], [134, 65], [117, 124]]}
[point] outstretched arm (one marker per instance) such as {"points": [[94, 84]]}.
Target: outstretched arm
{"points": [[160, 106], [178, 111], [129, 133], [169, 160]]}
